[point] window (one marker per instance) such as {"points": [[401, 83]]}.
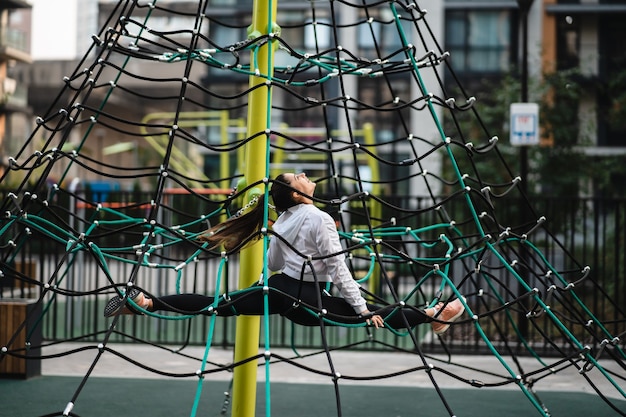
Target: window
{"points": [[382, 34], [568, 42], [225, 33], [612, 124], [479, 42], [317, 36]]}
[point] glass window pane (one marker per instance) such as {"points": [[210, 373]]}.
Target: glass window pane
{"points": [[479, 41], [367, 35], [489, 29], [392, 39], [455, 29], [317, 36]]}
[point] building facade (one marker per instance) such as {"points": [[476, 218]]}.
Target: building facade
{"points": [[14, 49], [484, 39]]}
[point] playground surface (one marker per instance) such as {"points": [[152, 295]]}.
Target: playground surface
{"points": [[119, 388]]}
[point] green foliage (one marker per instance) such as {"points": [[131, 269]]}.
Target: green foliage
{"points": [[561, 167], [560, 96], [487, 118]]}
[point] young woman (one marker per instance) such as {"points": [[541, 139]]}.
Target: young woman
{"points": [[306, 249]]}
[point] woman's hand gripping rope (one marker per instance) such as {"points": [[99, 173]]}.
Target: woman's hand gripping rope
{"points": [[375, 319]]}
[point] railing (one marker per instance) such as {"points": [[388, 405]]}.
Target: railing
{"points": [[592, 229]]}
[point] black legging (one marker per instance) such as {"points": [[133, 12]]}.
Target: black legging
{"points": [[299, 301]]}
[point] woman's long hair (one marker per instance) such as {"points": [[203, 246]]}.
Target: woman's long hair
{"points": [[246, 227]]}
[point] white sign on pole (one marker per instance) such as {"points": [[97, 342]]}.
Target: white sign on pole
{"points": [[524, 124]]}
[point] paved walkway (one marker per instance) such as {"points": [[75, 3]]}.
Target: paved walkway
{"points": [[361, 365]]}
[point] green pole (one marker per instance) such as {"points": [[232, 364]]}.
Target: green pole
{"points": [[256, 168]]}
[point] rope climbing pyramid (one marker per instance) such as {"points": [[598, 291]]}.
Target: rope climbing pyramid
{"points": [[196, 112]]}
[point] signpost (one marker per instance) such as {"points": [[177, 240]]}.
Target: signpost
{"points": [[524, 124]]}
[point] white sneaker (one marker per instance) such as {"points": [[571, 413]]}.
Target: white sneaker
{"points": [[450, 313]]}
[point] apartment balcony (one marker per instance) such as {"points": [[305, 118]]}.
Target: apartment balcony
{"points": [[13, 96], [14, 46]]}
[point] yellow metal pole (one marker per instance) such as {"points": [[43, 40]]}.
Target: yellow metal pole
{"points": [[259, 106], [375, 207], [224, 156]]}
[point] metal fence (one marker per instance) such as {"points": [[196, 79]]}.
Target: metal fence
{"points": [[592, 229]]}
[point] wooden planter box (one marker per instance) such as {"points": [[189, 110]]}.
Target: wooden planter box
{"points": [[14, 312]]}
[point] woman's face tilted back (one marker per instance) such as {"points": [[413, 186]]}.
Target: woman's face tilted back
{"points": [[285, 196], [301, 183]]}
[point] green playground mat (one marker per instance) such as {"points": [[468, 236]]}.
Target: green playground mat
{"points": [[121, 397]]}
